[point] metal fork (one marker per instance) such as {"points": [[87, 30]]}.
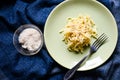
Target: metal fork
{"points": [[93, 48]]}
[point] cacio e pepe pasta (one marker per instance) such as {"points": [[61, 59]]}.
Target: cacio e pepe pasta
{"points": [[78, 32]]}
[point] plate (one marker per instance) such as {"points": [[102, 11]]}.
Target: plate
{"points": [[104, 21]]}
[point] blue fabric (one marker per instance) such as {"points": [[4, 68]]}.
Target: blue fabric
{"points": [[14, 66]]}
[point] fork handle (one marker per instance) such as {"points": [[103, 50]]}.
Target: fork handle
{"points": [[71, 72]]}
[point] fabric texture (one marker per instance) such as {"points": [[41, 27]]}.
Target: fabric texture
{"points": [[14, 66]]}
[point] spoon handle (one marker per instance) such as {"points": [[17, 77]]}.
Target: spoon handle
{"points": [[71, 72]]}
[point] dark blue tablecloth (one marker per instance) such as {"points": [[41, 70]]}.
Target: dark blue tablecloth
{"points": [[14, 66]]}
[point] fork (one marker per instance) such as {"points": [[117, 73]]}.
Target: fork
{"points": [[93, 48]]}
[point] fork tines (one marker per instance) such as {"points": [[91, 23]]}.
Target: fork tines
{"points": [[100, 40]]}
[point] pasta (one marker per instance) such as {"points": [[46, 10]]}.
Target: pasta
{"points": [[78, 33]]}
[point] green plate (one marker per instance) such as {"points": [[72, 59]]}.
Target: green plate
{"points": [[103, 19]]}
